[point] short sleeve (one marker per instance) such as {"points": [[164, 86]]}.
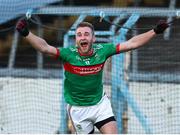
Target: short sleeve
{"points": [[63, 53], [110, 49]]}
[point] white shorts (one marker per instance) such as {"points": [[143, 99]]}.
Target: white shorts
{"points": [[84, 118]]}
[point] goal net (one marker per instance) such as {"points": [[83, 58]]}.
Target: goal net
{"points": [[143, 84]]}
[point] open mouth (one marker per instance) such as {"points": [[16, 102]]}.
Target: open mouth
{"points": [[83, 43]]}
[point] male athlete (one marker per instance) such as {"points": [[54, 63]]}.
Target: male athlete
{"points": [[88, 105]]}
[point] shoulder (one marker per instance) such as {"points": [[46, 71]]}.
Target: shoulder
{"points": [[68, 49], [97, 46], [67, 52], [72, 48], [103, 45]]}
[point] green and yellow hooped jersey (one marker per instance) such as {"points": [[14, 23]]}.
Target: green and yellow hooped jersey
{"points": [[83, 74]]}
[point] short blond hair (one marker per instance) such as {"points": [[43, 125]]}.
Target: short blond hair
{"points": [[86, 24]]}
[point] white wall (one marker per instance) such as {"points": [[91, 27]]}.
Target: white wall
{"points": [[29, 105], [160, 103], [33, 106]]}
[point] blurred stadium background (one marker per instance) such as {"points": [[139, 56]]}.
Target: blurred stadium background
{"points": [[144, 84]]}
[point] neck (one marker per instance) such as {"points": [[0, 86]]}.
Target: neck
{"points": [[89, 53]]}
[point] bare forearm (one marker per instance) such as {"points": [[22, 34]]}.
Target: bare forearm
{"points": [[141, 39], [137, 41], [37, 42], [41, 45]]}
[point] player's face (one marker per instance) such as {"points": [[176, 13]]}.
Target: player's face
{"points": [[84, 39]]}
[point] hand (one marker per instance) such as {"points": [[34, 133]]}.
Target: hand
{"points": [[161, 27], [22, 27]]}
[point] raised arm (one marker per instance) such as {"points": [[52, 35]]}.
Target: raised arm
{"points": [[36, 42], [142, 39]]}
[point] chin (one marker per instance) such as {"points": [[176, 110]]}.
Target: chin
{"points": [[85, 52]]}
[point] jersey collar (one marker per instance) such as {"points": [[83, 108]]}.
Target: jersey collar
{"points": [[89, 54]]}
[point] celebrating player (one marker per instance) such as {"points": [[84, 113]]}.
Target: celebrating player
{"points": [[88, 105]]}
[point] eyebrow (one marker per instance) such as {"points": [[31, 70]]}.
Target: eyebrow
{"points": [[78, 33], [81, 33], [84, 32]]}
